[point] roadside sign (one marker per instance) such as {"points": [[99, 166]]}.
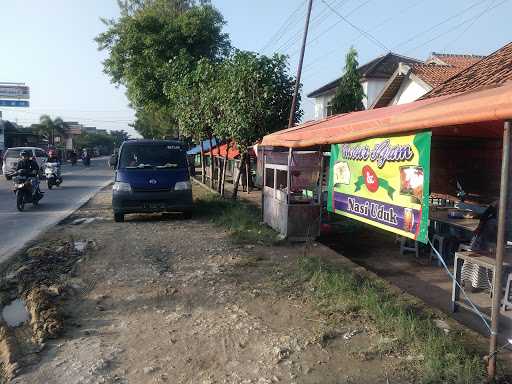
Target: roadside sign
{"points": [[383, 182], [14, 103], [14, 92]]}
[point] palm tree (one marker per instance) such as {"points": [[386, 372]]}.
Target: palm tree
{"points": [[48, 127]]}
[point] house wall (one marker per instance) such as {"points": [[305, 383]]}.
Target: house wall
{"points": [[371, 89], [321, 103], [408, 92]]}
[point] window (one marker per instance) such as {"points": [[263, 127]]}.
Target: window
{"points": [[281, 180], [152, 156], [40, 153], [304, 187], [13, 153], [269, 177]]}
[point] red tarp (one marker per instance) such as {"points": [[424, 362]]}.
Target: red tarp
{"points": [[478, 114]]}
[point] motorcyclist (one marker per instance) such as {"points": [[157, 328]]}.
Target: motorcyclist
{"points": [[27, 166], [73, 157], [53, 157], [86, 157]]}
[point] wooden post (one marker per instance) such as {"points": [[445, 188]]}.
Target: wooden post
{"points": [[247, 170], [500, 250], [212, 162], [203, 167], [224, 169], [320, 190], [263, 186], [288, 176], [237, 182]]}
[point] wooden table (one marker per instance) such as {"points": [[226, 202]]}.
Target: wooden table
{"points": [[441, 215], [485, 260]]}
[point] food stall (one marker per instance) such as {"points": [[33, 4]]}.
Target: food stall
{"points": [[376, 193], [291, 192]]}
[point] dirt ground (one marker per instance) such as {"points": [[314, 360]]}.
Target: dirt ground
{"points": [[167, 300]]}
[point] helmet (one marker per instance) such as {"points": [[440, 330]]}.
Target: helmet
{"points": [[25, 153]]}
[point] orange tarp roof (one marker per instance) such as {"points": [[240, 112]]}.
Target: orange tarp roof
{"points": [[478, 113], [233, 151]]}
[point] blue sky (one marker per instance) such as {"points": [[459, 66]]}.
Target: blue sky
{"points": [[49, 45]]}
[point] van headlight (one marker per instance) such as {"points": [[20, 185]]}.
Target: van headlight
{"points": [[182, 185], [120, 186]]}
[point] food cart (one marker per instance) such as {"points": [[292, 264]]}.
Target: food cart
{"points": [[291, 192]]}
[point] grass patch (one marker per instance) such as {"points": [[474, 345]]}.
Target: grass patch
{"points": [[437, 357], [241, 220]]}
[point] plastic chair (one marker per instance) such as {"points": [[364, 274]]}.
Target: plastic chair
{"points": [[408, 245], [438, 244]]}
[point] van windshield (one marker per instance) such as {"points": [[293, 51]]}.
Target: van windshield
{"points": [[13, 153], [152, 156]]}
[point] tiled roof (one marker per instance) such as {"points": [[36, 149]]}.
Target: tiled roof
{"points": [[381, 67], [434, 74], [493, 70], [459, 61]]}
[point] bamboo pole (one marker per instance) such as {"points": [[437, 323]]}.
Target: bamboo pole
{"points": [[500, 251]]}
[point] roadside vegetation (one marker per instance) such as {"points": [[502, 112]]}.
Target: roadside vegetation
{"points": [[431, 354], [435, 356], [241, 220]]}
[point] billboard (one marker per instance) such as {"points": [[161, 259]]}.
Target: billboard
{"points": [[14, 92], [383, 182]]}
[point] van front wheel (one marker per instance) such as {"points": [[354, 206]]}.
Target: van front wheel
{"points": [[118, 217]]}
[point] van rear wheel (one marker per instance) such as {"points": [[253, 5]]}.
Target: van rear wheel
{"points": [[118, 217]]}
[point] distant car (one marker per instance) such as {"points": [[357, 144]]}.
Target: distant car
{"points": [[151, 176], [13, 155]]}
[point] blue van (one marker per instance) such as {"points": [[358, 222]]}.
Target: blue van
{"points": [[151, 176]]}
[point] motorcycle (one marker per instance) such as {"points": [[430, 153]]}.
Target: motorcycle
{"points": [[26, 188], [52, 173], [86, 161]]}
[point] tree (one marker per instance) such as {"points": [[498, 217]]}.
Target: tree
{"points": [[119, 137], [48, 128], [349, 94], [154, 42], [155, 123], [104, 142], [255, 94]]}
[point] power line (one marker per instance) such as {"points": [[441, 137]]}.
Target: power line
{"points": [[372, 29], [470, 25], [456, 26], [371, 38], [280, 32], [295, 38], [444, 21], [317, 37]]}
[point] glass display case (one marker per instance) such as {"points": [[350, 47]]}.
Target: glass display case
{"points": [[291, 193]]}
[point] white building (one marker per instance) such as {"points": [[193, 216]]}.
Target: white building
{"points": [[374, 75], [411, 81]]}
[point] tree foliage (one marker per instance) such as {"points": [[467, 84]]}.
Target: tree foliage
{"points": [[49, 127], [154, 42], [256, 93], [349, 94], [183, 78], [119, 137]]}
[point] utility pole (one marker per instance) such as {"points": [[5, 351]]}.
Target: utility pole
{"points": [[291, 122]]}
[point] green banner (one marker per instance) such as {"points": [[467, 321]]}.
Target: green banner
{"points": [[383, 182]]}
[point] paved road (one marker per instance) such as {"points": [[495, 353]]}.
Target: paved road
{"points": [[79, 185]]}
